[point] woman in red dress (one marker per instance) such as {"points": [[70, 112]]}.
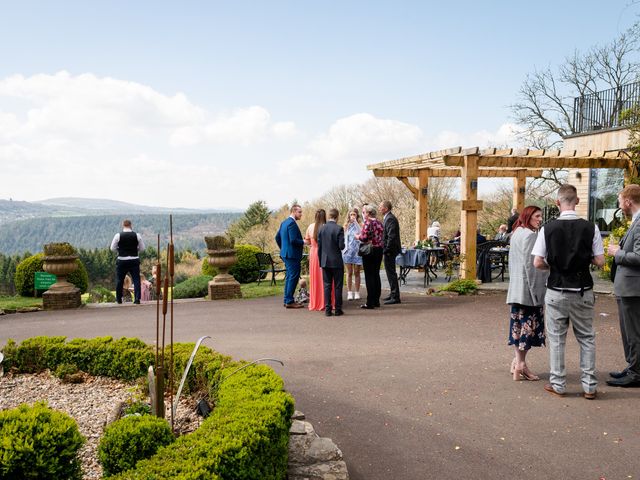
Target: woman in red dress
{"points": [[316, 287]]}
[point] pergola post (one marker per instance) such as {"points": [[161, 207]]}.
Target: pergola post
{"points": [[469, 217], [422, 205], [519, 189]]}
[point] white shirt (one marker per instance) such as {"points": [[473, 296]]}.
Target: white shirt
{"points": [[540, 247], [116, 240], [433, 232]]}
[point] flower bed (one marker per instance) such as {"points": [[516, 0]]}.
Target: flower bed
{"points": [[246, 435]]}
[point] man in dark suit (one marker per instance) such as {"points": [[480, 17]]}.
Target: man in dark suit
{"points": [[626, 286], [289, 240], [390, 250], [330, 246]]}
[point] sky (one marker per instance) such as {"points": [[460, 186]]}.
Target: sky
{"points": [[211, 104]]}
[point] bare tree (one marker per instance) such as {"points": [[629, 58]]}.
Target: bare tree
{"points": [[545, 101]]}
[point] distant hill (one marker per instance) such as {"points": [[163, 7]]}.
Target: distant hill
{"points": [[96, 231], [11, 210]]}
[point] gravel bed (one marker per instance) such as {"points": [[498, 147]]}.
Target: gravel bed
{"points": [[90, 404]]}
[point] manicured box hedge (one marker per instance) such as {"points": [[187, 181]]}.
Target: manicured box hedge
{"points": [[246, 435]]}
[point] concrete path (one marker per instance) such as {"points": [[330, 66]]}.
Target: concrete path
{"points": [[412, 391]]}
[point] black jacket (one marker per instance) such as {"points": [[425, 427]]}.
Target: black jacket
{"points": [[330, 245], [391, 244]]}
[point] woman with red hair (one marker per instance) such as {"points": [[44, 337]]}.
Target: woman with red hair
{"points": [[526, 292]]}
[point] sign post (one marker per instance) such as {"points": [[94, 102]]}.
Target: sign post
{"points": [[43, 281]]}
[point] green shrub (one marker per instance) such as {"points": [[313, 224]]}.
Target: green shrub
{"points": [[26, 270], [194, 287], [130, 439], [39, 443], [246, 269], [141, 408], [65, 369], [126, 358], [463, 287], [208, 269], [101, 294]]}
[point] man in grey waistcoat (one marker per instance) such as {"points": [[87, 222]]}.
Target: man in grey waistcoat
{"points": [[567, 247], [626, 286]]}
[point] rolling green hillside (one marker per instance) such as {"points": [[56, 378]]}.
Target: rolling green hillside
{"points": [[96, 231]]}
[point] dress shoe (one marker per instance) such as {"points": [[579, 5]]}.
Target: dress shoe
{"points": [[368, 307], [391, 301], [328, 313], [590, 396], [294, 305], [387, 298], [628, 381], [137, 303], [339, 313], [550, 389], [620, 374]]}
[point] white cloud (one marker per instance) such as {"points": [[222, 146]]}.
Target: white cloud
{"points": [[89, 136]]}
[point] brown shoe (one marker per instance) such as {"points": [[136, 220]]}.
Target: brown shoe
{"points": [[294, 305], [590, 396], [550, 389]]}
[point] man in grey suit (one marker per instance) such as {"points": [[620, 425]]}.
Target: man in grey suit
{"points": [[330, 246], [626, 286], [390, 250]]}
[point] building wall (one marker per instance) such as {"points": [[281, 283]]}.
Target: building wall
{"points": [[596, 141]]}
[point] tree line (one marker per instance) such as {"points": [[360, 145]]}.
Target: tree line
{"points": [[92, 232]]}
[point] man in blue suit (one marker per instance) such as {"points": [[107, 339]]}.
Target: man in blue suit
{"points": [[289, 240]]}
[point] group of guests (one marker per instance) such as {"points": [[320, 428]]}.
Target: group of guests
{"points": [[551, 286], [333, 247]]}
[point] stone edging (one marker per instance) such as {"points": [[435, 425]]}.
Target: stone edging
{"points": [[312, 457]]}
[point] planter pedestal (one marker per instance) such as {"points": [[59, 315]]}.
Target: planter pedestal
{"points": [[62, 294], [223, 286]]}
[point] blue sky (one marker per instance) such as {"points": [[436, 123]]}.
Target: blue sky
{"points": [[210, 104]]}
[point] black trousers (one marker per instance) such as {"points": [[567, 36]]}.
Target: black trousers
{"points": [[392, 275], [332, 278], [371, 266], [629, 313], [132, 267]]}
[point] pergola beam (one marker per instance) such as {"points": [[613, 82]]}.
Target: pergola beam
{"points": [[540, 162], [457, 172]]}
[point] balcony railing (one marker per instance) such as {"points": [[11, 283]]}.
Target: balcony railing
{"points": [[602, 110]]}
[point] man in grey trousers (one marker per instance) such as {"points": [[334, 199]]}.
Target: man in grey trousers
{"points": [[626, 286], [567, 247]]}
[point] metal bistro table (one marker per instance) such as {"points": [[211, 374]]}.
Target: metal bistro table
{"points": [[499, 258], [417, 258]]}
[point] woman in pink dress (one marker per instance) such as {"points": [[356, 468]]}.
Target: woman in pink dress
{"points": [[316, 287]]}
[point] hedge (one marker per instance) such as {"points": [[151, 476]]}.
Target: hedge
{"points": [[26, 269], [246, 268], [245, 437], [40, 443], [194, 287], [130, 439]]}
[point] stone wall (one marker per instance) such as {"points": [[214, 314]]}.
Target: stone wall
{"points": [[312, 457]]}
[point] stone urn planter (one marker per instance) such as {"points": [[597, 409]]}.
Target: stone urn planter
{"points": [[222, 255], [60, 260]]}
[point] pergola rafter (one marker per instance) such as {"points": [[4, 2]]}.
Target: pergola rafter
{"points": [[472, 163]]}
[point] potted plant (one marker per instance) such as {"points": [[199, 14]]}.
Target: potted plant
{"points": [[60, 260]]}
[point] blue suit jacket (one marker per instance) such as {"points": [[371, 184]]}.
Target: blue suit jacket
{"points": [[289, 240]]}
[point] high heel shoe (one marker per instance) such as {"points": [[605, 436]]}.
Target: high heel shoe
{"points": [[527, 375]]}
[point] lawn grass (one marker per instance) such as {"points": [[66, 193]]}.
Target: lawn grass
{"points": [[265, 289], [13, 303]]}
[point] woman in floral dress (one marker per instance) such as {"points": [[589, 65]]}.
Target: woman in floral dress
{"points": [[350, 257], [526, 292]]}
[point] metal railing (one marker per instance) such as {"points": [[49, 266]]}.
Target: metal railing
{"points": [[602, 110]]}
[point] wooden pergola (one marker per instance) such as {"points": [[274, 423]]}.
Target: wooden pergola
{"points": [[472, 163]]}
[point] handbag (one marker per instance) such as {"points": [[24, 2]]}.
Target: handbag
{"points": [[365, 249]]}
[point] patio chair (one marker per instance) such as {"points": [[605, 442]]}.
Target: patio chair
{"points": [[267, 265], [491, 265]]}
